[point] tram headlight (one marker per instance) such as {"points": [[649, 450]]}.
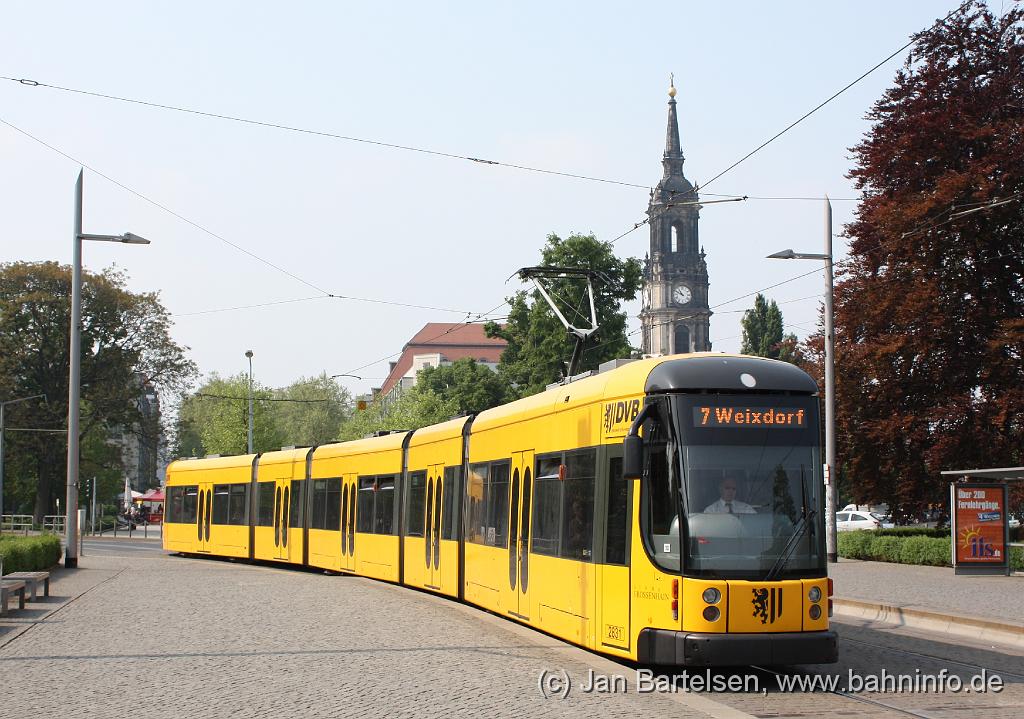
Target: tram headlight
{"points": [[815, 611], [711, 614], [711, 596], [815, 594]]}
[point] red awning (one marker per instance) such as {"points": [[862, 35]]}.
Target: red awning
{"points": [[153, 495]]}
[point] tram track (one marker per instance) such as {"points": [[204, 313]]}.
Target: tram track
{"points": [[856, 697], [936, 658]]}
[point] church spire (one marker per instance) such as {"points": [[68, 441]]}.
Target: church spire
{"points": [[673, 158]]}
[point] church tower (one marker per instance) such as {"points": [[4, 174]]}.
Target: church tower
{"points": [[675, 315]]}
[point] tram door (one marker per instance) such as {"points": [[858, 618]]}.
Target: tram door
{"points": [[348, 522], [432, 525], [520, 504], [282, 504], [203, 516]]}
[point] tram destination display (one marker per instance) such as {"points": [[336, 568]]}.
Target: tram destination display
{"points": [[744, 417]]}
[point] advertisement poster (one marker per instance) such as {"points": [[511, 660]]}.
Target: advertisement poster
{"points": [[979, 526]]}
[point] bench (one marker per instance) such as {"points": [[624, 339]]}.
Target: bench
{"points": [[9, 587], [32, 580]]}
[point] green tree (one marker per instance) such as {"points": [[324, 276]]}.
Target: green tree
{"points": [[538, 345], [762, 332], [471, 386], [124, 336], [929, 328], [416, 407], [215, 418], [316, 409]]}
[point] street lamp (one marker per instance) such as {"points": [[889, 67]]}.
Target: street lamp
{"points": [[75, 378], [248, 353], [333, 376], [2, 405], [830, 382]]}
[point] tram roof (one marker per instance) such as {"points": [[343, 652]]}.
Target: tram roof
{"points": [[192, 464]]}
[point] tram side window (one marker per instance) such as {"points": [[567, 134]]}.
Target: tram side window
{"points": [[578, 505], [221, 495], [332, 504], [417, 498], [238, 504], [384, 506], [497, 505], [618, 514], [265, 503], [364, 511], [451, 495], [547, 506], [476, 525], [317, 512], [175, 504], [298, 501], [190, 504]]}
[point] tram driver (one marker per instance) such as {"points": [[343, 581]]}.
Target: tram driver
{"points": [[728, 504]]}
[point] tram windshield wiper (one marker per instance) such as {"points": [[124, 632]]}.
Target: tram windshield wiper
{"points": [[798, 532]]}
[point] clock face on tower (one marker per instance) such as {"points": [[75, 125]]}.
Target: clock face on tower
{"points": [[682, 295]]}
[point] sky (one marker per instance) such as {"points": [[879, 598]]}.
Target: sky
{"points": [[241, 214]]}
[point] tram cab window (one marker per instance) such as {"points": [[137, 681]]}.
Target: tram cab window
{"points": [[660, 492], [417, 500], [265, 504]]}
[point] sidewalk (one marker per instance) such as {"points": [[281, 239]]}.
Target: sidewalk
{"points": [[932, 598]]}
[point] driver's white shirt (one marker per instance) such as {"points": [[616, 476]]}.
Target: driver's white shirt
{"points": [[738, 507]]}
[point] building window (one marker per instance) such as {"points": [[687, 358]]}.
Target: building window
{"points": [[675, 239], [682, 343]]}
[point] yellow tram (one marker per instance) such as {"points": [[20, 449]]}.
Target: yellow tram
{"points": [[669, 511]]}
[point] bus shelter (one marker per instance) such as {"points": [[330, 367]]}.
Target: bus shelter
{"points": [[980, 519]]}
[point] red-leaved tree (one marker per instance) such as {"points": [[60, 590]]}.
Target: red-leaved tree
{"points": [[929, 306]]}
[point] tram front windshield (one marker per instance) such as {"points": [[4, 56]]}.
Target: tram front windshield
{"points": [[745, 473]]}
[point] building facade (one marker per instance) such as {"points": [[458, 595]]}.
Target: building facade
{"points": [[675, 317], [139, 442], [437, 344]]}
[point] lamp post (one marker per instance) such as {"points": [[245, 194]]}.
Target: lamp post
{"points": [[830, 382], [334, 376], [248, 353], [2, 405], [74, 382]]}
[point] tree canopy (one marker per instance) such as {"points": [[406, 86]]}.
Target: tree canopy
{"points": [[538, 344], [125, 342], [472, 387], [930, 305], [763, 331], [215, 418]]}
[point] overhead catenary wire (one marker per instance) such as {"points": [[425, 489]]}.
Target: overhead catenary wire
{"points": [[325, 294]]}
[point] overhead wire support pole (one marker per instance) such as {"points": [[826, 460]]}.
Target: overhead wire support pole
{"points": [[581, 334]]}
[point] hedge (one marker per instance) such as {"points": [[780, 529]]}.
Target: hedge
{"points": [[910, 548], [29, 554]]}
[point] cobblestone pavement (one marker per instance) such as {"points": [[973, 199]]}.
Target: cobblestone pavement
{"points": [[160, 636], [931, 588]]}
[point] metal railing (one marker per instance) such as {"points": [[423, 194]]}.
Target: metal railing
{"points": [[54, 523], [16, 523]]}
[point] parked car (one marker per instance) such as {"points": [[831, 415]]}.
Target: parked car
{"points": [[846, 521], [1014, 522], [886, 520]]}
